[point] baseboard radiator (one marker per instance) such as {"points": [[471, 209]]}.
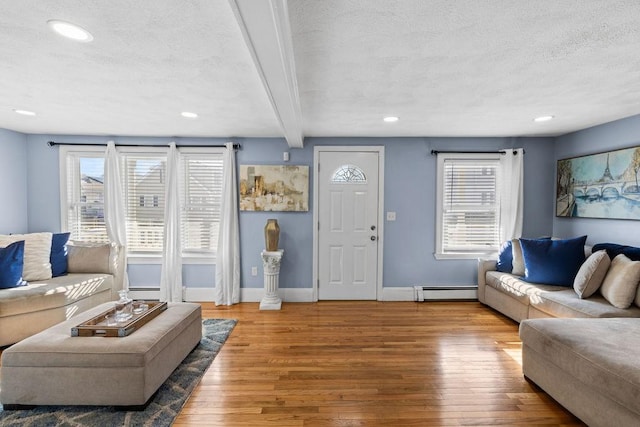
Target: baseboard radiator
{"points": [[435, 293]]}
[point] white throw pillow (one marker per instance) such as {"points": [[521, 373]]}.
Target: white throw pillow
{"points": [[37, 251], [621, 282], [518, 259], [591, 274]]}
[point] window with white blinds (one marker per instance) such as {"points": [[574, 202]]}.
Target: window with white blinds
{"points": [[144, 177], [143, 181], [83, 195], [468, 205], [201, 195]]}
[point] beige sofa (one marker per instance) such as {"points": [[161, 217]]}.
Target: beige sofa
{"points": [[520, 300], [95, 275], [580, 351]]}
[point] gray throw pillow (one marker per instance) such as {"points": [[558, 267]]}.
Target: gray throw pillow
{"points": [[86, 258]]}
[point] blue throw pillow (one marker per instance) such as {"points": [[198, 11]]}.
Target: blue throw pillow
{"points": [[505, 258], [614, 249], [11, 262], [632, 253], [552, 262], [58, 257]]}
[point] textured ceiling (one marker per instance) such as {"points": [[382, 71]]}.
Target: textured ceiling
{"points": [[446, 68]]}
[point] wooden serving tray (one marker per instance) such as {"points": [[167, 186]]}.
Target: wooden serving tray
{"points": [[96, 326]]}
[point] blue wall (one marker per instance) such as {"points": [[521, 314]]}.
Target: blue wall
{"points": [[410, 176], [13, 182], [410, 191], [610, 136]]}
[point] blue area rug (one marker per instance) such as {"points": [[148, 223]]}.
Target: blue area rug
{"points": [[161, 411]]}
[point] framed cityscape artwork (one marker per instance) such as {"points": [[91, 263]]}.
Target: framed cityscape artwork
{"points": [[602, 185], [274, 188]]}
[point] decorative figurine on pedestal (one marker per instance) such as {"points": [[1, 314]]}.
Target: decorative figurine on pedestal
{"points": [[271, 235]]}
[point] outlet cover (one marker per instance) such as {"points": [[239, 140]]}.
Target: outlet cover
{"points": [[254, 271]]}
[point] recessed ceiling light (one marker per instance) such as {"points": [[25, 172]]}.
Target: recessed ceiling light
{"points": [[24, 112], [70, 31], [189, 115], [543, 118], [391, 119]]}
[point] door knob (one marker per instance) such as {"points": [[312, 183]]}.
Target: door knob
{"points": [[373, 227], [373, 238]]}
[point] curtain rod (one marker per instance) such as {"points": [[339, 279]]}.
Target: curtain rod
{"points": [[434, 152], [236, 146]]}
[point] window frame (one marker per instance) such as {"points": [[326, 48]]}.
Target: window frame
{"points": [[87, 151], [98, 151], [440, 253]]}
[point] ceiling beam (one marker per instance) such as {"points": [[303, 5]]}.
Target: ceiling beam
{"points": [[267, 33]]}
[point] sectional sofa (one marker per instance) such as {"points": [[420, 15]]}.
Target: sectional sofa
{"points": [[61, 281], [510, 294], [579, 340]]}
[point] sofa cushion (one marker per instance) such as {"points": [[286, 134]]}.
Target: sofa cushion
{"points": [[37, 248], [621, 282], [58, 255], [52, 293], [591, 274], [567, 303], [599, 353], [552, 262], [11, 262], [517, 288], [89, 258]]}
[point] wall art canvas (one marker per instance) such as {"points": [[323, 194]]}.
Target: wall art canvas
{"points": [[603, 185], [274, 188]]}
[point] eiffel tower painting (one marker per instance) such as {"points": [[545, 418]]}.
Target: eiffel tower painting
{"points": [[602, 185]]}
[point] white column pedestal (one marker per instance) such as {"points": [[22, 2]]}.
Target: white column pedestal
{"points": [[271, 264]]}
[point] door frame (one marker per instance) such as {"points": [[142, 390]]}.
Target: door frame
{"points": [[316, 159]]}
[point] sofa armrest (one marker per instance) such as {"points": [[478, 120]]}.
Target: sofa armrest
{"points": [[484, 265]]}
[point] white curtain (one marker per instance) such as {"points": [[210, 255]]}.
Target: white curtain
{"points": [[171, 274], [114, 213], [511, 194], [227, 289]]}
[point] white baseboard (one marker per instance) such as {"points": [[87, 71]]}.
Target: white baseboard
{"points": [[408, 293], [286, 294], [398, 294], [246, 294]]}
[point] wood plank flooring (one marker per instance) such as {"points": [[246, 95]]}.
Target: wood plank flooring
{"points": [[369, 364]]}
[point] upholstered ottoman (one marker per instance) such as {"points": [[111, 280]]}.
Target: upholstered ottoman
{"points": [[54, 368]]}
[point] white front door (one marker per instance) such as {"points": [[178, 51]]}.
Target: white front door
{"points": [[348, 224]]}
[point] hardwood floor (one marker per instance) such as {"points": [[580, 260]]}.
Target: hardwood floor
{"points": [[369, 364]]}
